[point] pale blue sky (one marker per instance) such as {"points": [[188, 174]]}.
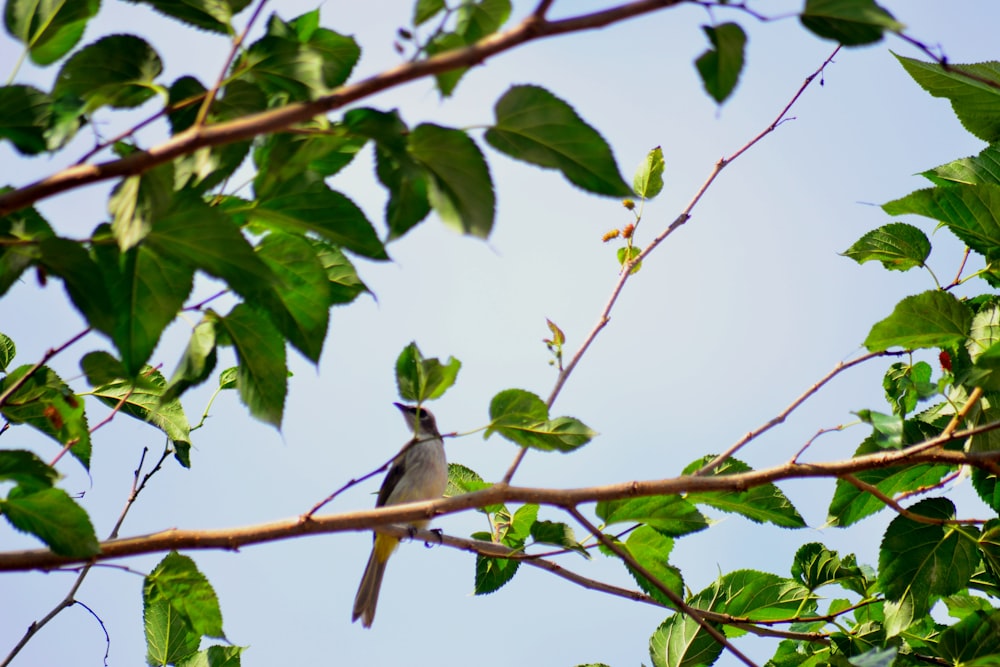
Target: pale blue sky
{"points": [[732, 318]]}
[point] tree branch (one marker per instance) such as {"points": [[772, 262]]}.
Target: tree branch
{"points": [[200, 136]]}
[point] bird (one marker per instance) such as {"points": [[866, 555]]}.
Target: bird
{"points": [[418, 472]]}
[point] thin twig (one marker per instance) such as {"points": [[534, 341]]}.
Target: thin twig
{"points": [[865, 487], [237, 43], [51, 352], [682, 607]]}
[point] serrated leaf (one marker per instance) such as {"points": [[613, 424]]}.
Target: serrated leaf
{"points": [[849, 504], [137, 201], [989, 546], [283, 157], [651, 549], [424, 10], [143, 401], [299, 206], [198, 361], [906, 384], [982, 168], [23, 225], [297, 60], [49, 405], [25, 113], [26, 469], [850, 22], [760, 503], [681, 642], [932, 319], [522, 418], [535, 126], [558, 534], [760, 596], [177, 581], [816, 566], [343, 283], [82, 279], [213, 15], [974, 102], [460, 188], [169, 638], [648, 179], [420, 379], [102, 367], [49, 29], [7, 351], [203, 237], [969, 211], [53, 517], [493, 573], [918, 561], [898, 246], [670, 514], [228, 377], [975, 636], [721, 65], [117, 71], [298, 300], [984, 332], [262, 378]]}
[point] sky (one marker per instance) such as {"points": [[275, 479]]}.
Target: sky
{"points": [[733, 317]]}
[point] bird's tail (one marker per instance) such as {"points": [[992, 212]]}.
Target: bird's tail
{"points": [[367, 597]]}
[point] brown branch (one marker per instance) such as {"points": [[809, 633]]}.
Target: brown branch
{"points": [[695, 614], [626, 272], [783, 415], [240, 129], [234, 538], [865, 487]]}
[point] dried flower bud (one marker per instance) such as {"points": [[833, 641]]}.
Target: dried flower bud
{"points": [[628, 203], [613, 234], [627, 231]]}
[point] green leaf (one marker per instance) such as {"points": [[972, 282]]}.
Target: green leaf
{"points": [[849, 504], [177, 581], [987, 485], [759, 504], [760, 596], [648, 179], [48, 404], [424, 10], [629, 253], [651, 549], [918, 561], [671, 515], [297, 60], [116, 71], [419, 379], [228, 378], [989, 546], [49, 29], [405, 179], [460, 188], [681, 642], [53, 517], [493, 573], [147, 290], [888, 429], [969, 211], [906, 384], [974, 102], [975, 636], [876, 657], [102, 367], [298, 301], [983, 168], [899, 247], [143, 400], [7, 352], [212, 15], [850, 22], [984, 332], [522, 418], [282, 157], [343, 283], [23, 225], [262, 378], [169, 638], [720, 66], [535, 126], [816, 566], [198, 361], [300, 206], [202, 237], [137, 201], [932, 319], [26, 469], [82, 279], [476, 20], [558, 534], [443, 42], [25, 113]]}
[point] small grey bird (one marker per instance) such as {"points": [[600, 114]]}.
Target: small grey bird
{"points": [[419, 472]]}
